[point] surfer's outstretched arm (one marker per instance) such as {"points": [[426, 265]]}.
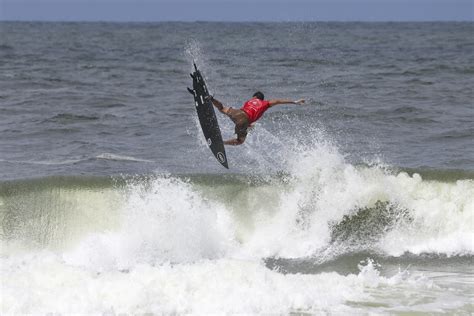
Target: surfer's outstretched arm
{"points": [[285, 101]]}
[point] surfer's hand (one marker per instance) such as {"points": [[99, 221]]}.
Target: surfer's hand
{"points": [[209, 98], [300, 101]]}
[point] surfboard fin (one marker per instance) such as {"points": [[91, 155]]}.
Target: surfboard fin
{"points": [[192, 76], [191, 91]]}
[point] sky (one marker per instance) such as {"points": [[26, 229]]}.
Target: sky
{"points": [[235, 10]]}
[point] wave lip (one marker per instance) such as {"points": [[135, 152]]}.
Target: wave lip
{"points": [[162, 221], [333, 210], [332, 207], [318, 205]]}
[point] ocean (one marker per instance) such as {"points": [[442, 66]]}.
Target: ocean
{"points": [[361, 201]]}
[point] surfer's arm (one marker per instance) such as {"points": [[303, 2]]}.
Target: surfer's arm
{"points": [[285, 101], [219, 105]]}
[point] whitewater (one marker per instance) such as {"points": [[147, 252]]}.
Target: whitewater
{"points": [[238, 244]]}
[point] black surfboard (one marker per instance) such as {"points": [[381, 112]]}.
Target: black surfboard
{"points": [[207, 117]]}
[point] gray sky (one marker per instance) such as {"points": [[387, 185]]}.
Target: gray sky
{"points": [[234, 10]]}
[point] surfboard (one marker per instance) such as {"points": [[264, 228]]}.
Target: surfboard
{"points": [[207, 117]]}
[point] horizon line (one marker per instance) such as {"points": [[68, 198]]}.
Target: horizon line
{"points": [[237, 21]]}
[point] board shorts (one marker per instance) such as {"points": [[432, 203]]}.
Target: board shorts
{"points": [[241, 121]]}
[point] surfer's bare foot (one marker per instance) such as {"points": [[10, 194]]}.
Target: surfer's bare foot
{"points": [[234, 142]]}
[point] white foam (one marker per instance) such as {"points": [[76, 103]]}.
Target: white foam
{"points": [[164, 221], [170, 220], [324, 188], [42, 283], [185, 248]]}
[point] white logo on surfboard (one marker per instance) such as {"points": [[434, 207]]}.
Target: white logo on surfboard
{"points": [[209, 141], [221, 157]]}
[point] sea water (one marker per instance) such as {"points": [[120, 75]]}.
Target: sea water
{"points": [[360, 201]]}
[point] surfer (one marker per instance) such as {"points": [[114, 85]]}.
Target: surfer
{"points": [[251, 111]]}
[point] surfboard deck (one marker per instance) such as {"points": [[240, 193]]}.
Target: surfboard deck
{"points": [[207, 117]]}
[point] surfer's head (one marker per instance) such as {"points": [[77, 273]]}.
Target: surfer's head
{"points": [[258, 95]]}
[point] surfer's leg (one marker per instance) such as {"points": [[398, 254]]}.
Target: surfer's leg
{"points": [[241, 126]]}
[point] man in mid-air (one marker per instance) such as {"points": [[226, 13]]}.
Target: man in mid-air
{"points": [[252, 110]]}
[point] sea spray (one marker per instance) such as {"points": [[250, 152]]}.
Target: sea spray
{"points": [[294, 214], [164, 220]]}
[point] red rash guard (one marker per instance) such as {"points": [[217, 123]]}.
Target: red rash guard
{"points": [[254, 108]]}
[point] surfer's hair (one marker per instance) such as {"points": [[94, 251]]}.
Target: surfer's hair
{"points": [[259, 95]]}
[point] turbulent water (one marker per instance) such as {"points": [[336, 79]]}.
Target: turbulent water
{"points": [[360, 201]]}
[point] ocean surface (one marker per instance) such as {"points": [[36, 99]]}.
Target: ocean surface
{"points": [[360, 201]]}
